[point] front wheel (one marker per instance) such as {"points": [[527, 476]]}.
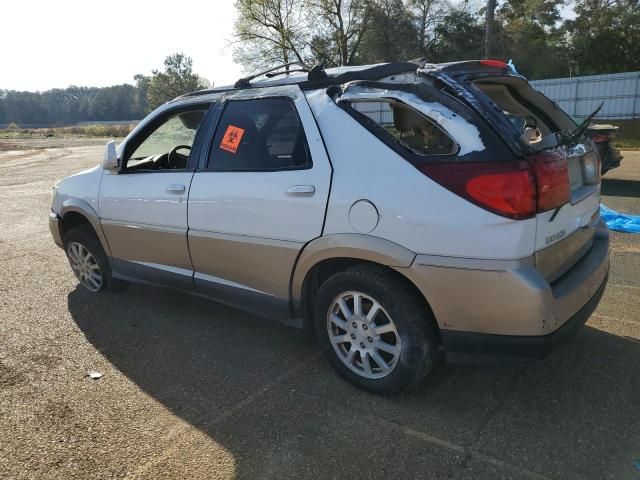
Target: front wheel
{"points": [[376, 332], [88, 261]]}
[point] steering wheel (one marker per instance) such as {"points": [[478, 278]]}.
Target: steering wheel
{"points": [[171, 160]]}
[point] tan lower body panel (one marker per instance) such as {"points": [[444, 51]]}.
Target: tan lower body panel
{"points": [[555, 260], [518, 301], [148, 243], [261, 264]]}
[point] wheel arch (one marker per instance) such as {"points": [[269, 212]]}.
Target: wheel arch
{"points": [[327, 255], [76, 212]]}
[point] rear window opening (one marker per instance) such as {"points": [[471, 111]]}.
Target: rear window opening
{"points": [[539, 121], [410, 128], [536, 118]]}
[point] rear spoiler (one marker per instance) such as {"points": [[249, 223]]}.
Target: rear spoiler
{"points": [[472, 66]]}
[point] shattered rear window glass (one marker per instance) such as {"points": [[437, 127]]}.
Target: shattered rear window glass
{"points": [[412, 129]]}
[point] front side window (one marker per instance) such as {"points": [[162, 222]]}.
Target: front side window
{"points": [[168, 145], [410, 128], [259, 135]]}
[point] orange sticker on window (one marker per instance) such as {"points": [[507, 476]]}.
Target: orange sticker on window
{"points": [[231, 139]]}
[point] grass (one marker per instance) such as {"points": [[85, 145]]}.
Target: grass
{"points": [[94, 130], [627, 144], [628, 135]]}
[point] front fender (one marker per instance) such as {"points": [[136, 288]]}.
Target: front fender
{"points": [[86, 210]]}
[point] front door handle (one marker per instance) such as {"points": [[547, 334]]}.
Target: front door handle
{"points": [[301, 190], [175, 189]]}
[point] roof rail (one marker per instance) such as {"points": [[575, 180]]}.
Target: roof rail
{"points": [[317, 77], [244, 82]]}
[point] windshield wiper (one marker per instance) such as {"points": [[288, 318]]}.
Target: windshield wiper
{"points": [[569, 137]]}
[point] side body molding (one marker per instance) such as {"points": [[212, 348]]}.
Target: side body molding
{"points": [[347, 245], [80, 206]]}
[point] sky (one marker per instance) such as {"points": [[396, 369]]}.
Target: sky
{"points": [[54, 44]]}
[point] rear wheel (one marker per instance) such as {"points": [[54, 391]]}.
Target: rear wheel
{"points": [[88, 261], [376, 333]]}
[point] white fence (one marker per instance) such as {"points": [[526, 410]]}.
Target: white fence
{"points": [[579, 96]]}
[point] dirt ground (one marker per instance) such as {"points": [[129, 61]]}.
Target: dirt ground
{"points": [[192, 389], [32, 144]]}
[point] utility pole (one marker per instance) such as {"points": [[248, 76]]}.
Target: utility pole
{"points": [[489, 51]]}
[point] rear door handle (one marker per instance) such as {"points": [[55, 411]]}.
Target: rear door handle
{"points": [[175, 189], [301, 190]]}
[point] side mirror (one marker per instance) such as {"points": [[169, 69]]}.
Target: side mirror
{"points": [[110, 160]]}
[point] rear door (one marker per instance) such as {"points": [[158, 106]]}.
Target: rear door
{"points": [[259, 195]]}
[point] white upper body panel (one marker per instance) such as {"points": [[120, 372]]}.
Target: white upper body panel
{"points": [[554, 226], [266, 204], [414, 211], [146, 198], [83, 185]]}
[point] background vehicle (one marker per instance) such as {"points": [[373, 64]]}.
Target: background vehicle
{"points": [[400, 210], [603, 136]]}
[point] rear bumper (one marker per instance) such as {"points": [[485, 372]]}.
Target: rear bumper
{"points": [[461, 346], [54, 227], [501, 308]]}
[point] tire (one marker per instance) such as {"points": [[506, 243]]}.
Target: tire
{"points": [[402, 324], [89, 262]]}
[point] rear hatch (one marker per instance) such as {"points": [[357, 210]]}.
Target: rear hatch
{"points": [[567, 172]]}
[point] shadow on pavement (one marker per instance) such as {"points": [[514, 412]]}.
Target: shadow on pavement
{"points": [[620, 188], [263, 392]]}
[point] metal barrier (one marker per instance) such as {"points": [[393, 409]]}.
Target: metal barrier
{"points": [[579, 96]]}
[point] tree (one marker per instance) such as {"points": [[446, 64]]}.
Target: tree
{"points": [[338, 29], [426, 14], [391, 34], [269, 32], [489, 27], [457, 37], [142, 87], [605, 36], [176, 79], [67, 106]]}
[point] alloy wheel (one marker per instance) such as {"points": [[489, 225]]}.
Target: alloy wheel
{"points": [[84, 266], [363, 335]]}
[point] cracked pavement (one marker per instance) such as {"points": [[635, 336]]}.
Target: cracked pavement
{"points": [[194, 389]]}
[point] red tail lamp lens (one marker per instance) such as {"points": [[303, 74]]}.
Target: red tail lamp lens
{"points": [[504, 188], [511, 194], [552, 177]]}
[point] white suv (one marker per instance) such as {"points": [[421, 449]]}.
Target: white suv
{"points": [[400, 210]]}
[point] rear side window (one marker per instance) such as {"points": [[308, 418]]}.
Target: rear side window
{"points": [[259, 135], [408, 127]]}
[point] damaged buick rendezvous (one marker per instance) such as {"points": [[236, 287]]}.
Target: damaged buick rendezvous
{"points": [[404, 211]]}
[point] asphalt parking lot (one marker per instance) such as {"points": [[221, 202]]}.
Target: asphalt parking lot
{"points": [[192, 389]]}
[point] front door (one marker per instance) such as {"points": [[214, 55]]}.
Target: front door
{"points": [[143, 207], [259, 197]]}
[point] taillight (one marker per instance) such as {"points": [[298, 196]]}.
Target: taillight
{"points": [[590, 166], [515, 189], [551, 171], [504, 188]]}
